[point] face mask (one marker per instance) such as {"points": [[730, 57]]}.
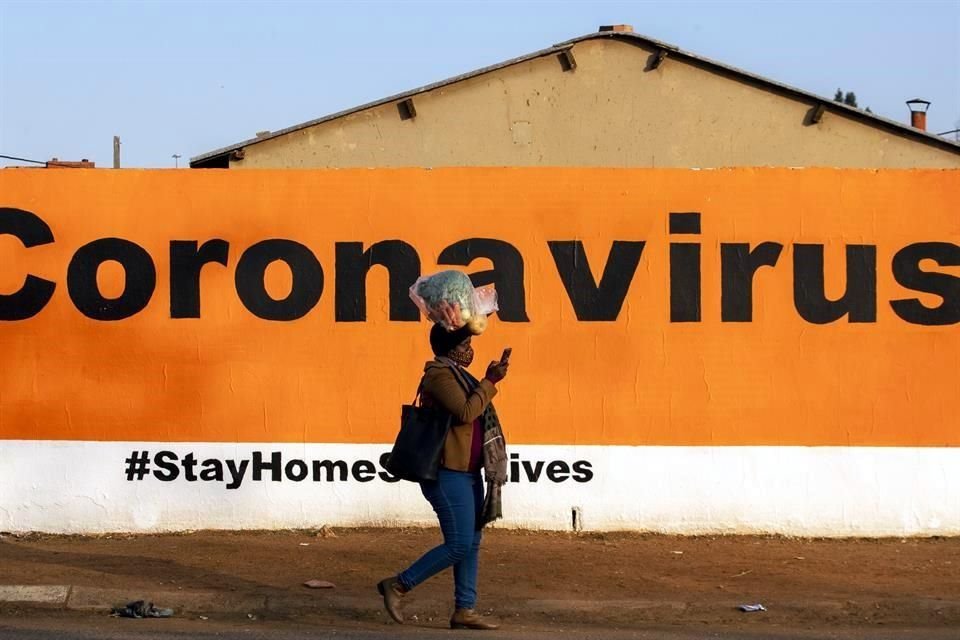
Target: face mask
{"points": [[463, 356]]}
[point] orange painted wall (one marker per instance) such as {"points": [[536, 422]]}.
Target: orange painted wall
{"points": [[641, 380]]}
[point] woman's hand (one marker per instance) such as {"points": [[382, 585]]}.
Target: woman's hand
{"points": [[497, 371], [449, 315]]}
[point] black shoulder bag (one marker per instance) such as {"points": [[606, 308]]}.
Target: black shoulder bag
{"points": [[423, 430]]}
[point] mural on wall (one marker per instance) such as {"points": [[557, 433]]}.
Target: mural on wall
{"points": [[239, 343]]}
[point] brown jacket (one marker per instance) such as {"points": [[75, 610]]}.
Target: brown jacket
{"points": [[440, 388]]}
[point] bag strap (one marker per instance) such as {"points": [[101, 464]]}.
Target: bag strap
{"points": [[419, 392]]}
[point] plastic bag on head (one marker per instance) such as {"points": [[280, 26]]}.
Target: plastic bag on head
{"points": [[450, 299]]}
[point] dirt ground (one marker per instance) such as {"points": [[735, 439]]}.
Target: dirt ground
{"points": [[603, 580]]}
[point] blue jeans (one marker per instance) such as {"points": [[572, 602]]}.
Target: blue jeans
{"points": [[457, 497]]}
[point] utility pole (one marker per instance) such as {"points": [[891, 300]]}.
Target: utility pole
{"points": [[176, 160], [116, 152]]}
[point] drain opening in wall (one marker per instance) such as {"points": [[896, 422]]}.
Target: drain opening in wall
{"points": [[576, 519]]}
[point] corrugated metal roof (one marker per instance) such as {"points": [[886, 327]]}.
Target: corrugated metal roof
{"points": [[674, 51]]}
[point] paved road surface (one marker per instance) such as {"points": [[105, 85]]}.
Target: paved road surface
{"points": [[58, 628]]}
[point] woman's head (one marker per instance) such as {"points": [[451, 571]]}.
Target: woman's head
{"points": [[452, 344]]}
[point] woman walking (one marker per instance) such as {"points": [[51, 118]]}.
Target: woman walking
{"points": [[474, 442]]}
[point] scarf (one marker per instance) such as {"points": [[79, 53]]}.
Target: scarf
{"points": [[494, 449]]}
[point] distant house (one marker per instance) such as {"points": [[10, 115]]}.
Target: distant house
{"points": [[56, 163], [613, 99]]}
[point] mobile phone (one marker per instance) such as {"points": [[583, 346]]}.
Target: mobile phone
{"points": [[505, 358]]}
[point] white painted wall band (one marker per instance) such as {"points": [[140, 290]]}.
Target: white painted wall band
{"points": [[83, 487]]}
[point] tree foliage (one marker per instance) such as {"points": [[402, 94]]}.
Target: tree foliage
{"points": [[849, 98]]}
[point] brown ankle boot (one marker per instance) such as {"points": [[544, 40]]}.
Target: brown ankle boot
{"points": [[470, 619], [392, 592]]}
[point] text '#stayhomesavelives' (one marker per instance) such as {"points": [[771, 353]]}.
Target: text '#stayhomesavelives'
{"points": [[170, 466]]}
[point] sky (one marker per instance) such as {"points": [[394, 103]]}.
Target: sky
{"points": [[179, 77]]}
